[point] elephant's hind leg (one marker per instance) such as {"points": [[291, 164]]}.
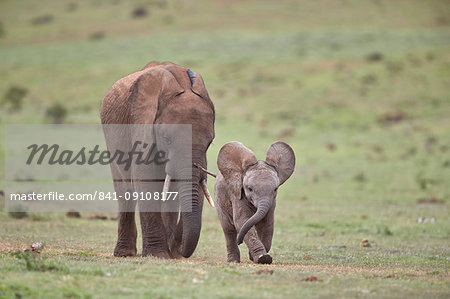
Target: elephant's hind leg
{"points": [[127, 232]]}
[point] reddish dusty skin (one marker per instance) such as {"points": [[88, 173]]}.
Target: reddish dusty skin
{"points": [[162, 93]]}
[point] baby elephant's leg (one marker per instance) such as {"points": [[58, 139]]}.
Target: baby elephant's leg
{"points": [[257, 251], [265, 230], [233, 254]]}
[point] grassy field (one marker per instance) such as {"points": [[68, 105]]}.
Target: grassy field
{"points": [[359, 89]]}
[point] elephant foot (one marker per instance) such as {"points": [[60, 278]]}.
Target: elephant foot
{"points": [[175, 254], [174, 248], [264, 259], [159, 254], [124, 251], [233, 259]]}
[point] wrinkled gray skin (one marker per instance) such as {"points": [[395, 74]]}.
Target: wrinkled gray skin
{"points": [[160, 93], [245, 196]]}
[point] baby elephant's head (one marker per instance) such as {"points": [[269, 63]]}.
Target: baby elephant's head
{"points": [[253, 180]]}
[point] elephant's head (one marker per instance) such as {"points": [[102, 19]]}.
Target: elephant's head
{"points": [[166, 93], [253, 180]]}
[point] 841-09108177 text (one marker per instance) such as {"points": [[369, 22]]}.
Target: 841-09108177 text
{"points": [[97, 195], [162, 196]]}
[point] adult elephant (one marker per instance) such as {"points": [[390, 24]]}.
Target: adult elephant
{"points": [[159, 94]]}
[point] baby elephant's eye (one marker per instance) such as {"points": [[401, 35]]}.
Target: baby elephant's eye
{"points": [[249, 188]]}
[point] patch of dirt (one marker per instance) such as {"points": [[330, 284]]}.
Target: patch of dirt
{"points": [[44, 19], [264, 271], [378, 149], [140, 12], [331, 146], [381, 271], [374, 57], [98, 35], [73, 214], [312, 278], [98, 217], [391, 117], [432, 200]]}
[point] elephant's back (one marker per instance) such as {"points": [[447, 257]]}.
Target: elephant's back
{"points": [[115, 106]]}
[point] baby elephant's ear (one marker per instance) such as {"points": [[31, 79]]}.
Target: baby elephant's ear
{"points": [[282, 157], [233, 159]]}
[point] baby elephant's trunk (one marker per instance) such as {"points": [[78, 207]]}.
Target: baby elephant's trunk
{"points": [[263, 208]]}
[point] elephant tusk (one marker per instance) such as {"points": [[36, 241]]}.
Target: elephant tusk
{"points": [[166, 185], [204, 170], [206, 192]]}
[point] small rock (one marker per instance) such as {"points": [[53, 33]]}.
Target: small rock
{"points": [[73, 214], [139, 12], [195, 280], [365, 243], [426, 220], [37, 247]]}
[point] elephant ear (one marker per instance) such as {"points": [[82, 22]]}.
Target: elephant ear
{"points": [[149, 88], [198, 85], [233, 160], [282, 157]]}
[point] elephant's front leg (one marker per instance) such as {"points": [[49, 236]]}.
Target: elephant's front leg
{"points": [[226, 220], [154, 240], [148, 192], [257, 251], [265, 229]]}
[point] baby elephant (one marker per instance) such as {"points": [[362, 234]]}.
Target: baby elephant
{"points": [[245, 195]]}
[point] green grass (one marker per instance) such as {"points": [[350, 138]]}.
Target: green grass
{"points": [[320, 75]]}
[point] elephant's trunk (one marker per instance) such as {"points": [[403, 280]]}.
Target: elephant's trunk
{"points": [[192, 221], [191, 199], [261, 212]]}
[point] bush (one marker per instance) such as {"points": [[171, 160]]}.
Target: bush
{"points": [[44, 19], [13, 97], [18, 212], [57, 113]]}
